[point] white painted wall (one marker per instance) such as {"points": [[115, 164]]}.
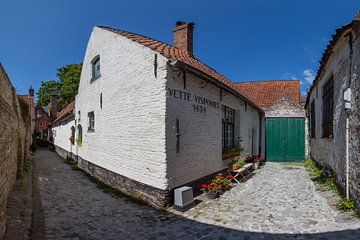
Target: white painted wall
{"points": [[62, 133], [135, 127], [129, 136], [201, 133]]}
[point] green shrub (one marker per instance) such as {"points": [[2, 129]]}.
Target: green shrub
{"points": [[312, 168], [325, 181], [345, 204], [24, 108]]}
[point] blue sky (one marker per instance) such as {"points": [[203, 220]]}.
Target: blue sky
{"points": [[244, 40]]}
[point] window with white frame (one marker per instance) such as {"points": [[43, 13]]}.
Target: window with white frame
{"points": [[228, 126], [91, 118]]}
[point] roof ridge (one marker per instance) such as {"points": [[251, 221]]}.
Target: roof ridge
{"points": [[271, 80], [174, 53], [150, 38]]}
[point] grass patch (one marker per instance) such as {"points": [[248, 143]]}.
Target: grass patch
{"points": [[324, 181], [75, 167], [345, 205]]}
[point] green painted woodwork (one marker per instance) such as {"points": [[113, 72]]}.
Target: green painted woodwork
{"points": [[285, 139]]}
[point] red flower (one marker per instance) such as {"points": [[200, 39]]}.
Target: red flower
{"points": [[218, 177], [215, 185], [209, 186], [229, 177], [203, 185]]}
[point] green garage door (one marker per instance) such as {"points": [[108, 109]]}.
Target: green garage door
{"points": [[285, 139]]}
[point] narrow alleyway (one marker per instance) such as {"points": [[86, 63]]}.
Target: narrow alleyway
{"points": [[279, 202]]}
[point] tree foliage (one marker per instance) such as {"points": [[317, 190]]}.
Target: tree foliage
{"points": [[66, 87]]}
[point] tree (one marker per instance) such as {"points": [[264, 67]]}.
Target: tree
{"points": [[45, 90], [66, 87]]}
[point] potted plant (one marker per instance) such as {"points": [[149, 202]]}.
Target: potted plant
{"points": [[72, 140], [255, 160], [231, 165], [222, 183], [210, 190], [236, 164]]}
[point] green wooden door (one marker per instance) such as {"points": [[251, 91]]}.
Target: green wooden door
{"points": [[285, 139]]}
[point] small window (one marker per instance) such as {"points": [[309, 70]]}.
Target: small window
{"points": [[312, 119], [95, 67], [91, 117], [328, 108], [79, 138], [72, 137]]}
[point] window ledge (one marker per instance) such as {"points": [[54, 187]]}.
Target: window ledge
{"points": [[229, 155], [94, 79], [91, 130]]}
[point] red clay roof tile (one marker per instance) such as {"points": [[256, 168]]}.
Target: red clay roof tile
{"points": [[174, 53], [265, 93]]}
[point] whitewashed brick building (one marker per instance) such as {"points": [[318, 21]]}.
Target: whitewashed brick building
{"points": [[149, 117]]}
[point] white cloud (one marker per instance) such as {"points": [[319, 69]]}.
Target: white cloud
{"points": [[309, 75]]}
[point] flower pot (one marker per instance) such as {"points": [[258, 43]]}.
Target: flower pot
{"points": [[256, 165], [220, 191], [231, 167], [212, 195]]}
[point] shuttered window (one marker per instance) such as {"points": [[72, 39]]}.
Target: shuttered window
{"points": [[328, 108]]}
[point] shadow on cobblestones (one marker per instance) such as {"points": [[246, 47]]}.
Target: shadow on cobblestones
{"points": [[75, 208]]}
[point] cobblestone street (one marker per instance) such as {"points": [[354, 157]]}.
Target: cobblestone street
{"points": [[278, 202]]}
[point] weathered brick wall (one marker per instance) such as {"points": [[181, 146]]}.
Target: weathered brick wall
{"points": [[285, 107], [331, 152], [14, 141], [354, 161]]}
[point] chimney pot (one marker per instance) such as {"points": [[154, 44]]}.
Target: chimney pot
{"points": [[53, 105], [31, 91], [183, 36]]}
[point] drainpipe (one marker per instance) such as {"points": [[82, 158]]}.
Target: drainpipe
{"points": [[347, 102]]}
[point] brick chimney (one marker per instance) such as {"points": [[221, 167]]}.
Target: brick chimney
{"points": [[31, 91], [183, 36], [53, 105]]}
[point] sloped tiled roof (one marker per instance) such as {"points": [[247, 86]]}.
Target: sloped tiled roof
{"points": [[174, 53], [265, 93], [65, 111]]}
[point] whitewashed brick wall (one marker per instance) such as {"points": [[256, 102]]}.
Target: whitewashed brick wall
{"points": [[201, 133], [62, 134], [129, 136]]}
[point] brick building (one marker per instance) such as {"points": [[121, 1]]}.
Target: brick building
{"points": [[150, 117], [44, 116], [29, 99], [339, 70]]}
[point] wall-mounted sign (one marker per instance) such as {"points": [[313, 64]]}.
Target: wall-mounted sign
{"points": [[200, 103]]}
